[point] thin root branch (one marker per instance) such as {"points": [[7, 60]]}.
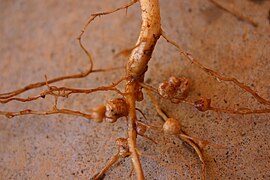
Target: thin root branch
{"points": [[102, 14], [65, 92], [148, 87], [240, 110], [147, 137], [54, 111], [202, 143], [228, 79], [216, 74], [174, 89], [158, 109], [149, 126], [198, 152], [125, 52], [113, 160], [204, 104], [43, 83], [75, 76]]}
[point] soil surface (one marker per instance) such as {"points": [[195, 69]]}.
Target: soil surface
{"points": [[38, 38]]}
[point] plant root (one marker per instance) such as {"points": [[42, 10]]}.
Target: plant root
{"points": [[216, 74], [65, 92], [174, 89], [75, 76], [198, 152], [54, 111], [204, 104], [173, 127], [123, 152]]}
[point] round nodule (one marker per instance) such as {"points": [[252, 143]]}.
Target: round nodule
{"points": [[175, 89], [172, 126], [203, 104], [115, 109]]}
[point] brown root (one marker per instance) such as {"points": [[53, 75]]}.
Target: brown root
{"points": [[65, 92], [54, 111], [173, 127], [123, 152], [75, 76], [198, 152], [175, 89], [216, 74], [204, 104]]}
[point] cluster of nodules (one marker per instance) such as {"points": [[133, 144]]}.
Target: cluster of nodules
{"points": [[123, 148], [118, 108], [176, 89], [111, 111]]}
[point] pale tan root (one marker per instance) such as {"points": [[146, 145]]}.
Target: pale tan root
{"points": [[125, 52], [54, 111], [65, 92], [158, 109], [75, 76], [184, 137], [113, 160], [136, 67], [216, 74], [198, 152], [216, 109]]}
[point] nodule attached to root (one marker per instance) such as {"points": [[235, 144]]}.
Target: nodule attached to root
{"points": [[98, 113], [115, 109], [203, 104], [123, 147], [112, 110], [174, 89], [141, 129], [172, 126]]}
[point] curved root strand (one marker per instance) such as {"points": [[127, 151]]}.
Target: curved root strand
{"points": [[228, 79], [202, 143], [125, 52], [240, 111], [75, 76], [65, 92], [148, 87], [148, 138], [101, 174], [204, 104], [43, 83], [158, 109], [198, 152], [216, 74], [54, 111], [102, 14]]}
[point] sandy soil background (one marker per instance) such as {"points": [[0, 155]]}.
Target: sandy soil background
{"points": [[39, 37]]}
